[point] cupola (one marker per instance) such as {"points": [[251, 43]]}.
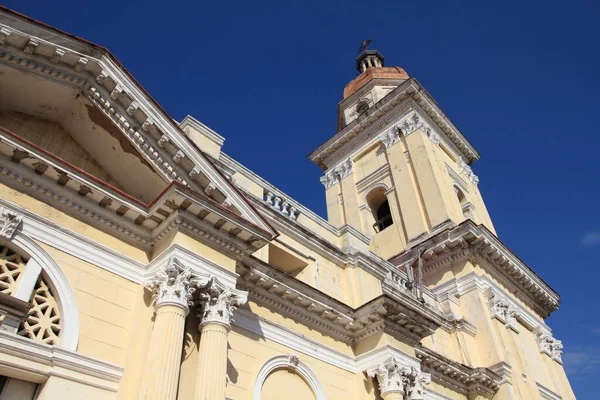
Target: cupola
{"points": [[374, 83]]}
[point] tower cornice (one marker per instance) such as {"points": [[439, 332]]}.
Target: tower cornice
{"points": [[378, 116]]}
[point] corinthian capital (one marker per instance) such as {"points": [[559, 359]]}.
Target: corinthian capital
{"points": [[395, 378], [391, 376], [172, 285], [218, 303]]}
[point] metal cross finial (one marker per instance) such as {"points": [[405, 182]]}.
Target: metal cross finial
{"points": [[364, 45]]}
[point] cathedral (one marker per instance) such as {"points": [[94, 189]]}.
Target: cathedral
{"points": [[139, 261]]}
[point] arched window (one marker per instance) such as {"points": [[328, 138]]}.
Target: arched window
{"points": [[380, 207], [465, 206], [290, 372], [37, 301], [384, 216]]}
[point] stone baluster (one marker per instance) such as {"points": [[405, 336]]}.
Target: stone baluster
{"points": [[217, 306], [269, 199], [173, 291], [293, 212], [277, 203], [285, 208]]}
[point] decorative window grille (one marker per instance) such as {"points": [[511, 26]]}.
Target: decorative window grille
{"points": [[43, 322], [12, 266]]}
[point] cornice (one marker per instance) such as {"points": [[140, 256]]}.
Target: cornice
{"points": [[469, 240], [122, 216], [199, 126], [45, 360], [456, 376], [401, 316], [115, 92], [382, 113]]}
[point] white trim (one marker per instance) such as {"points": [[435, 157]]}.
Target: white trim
{"points": [[69, 314], [302, 344], [77, 245], [284, 362], [200, 127], [28, 280], [473, 281], [546, 393], [294, 341], [41, 361], [373, 358], [433, 395]]}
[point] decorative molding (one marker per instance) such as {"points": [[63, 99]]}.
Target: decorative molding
{"points": [[9, 222], [337, 174], [406, 97], [502, 310], [400, 315], [460, 182], [172, 285], [393, 377], [373, 178], [456, 376], [218, 302], [484, 284], [465, 169], [548, 345], [77, 70], [31, 46], [470, 240], [57, 56], [416, 121], [390, 137], [4, 34], [546, 393], [44, 361], [283, 362]]}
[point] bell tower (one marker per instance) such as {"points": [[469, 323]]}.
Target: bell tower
{"points": [[398, 170]]}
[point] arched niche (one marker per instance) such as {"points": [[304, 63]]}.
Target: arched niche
{"points": [[287, 369]]}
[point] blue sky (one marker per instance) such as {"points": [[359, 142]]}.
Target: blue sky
{"points": [[518, 78]]}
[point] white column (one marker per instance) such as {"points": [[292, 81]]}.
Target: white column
{"points": [[172, 286], [216, 315]]}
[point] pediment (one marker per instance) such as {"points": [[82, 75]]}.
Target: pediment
{"points": [[84, 89]]}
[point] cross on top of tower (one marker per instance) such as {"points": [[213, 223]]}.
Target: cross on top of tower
{"points": [[368, 58]]}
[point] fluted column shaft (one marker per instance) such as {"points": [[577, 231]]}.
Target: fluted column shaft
{"points": [[172, 289], [393, 396], [161, 375], [211, 373], [217, 303]]}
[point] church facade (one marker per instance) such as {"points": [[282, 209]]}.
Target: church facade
{"points": [[140, 261]]}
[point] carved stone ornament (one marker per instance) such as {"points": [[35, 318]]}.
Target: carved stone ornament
{"points": [[548, 344], [173, 284], [218, 303], [395, 378], [9, 222], [293, 360], [336, 175], [501, 309], [415, 122], [463, 168], [390, 137]]}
